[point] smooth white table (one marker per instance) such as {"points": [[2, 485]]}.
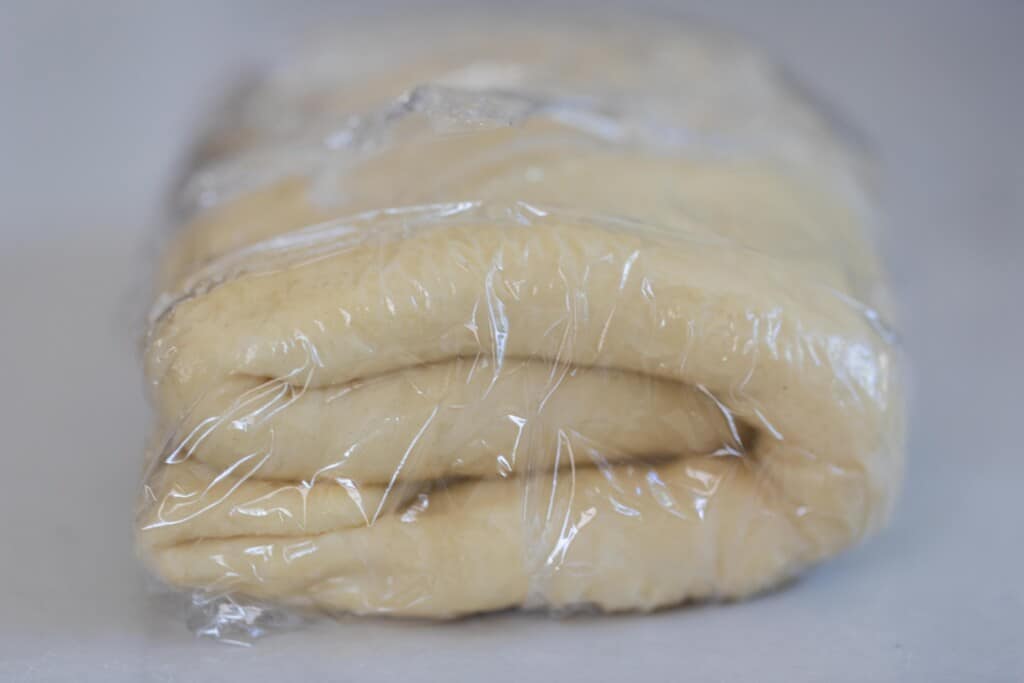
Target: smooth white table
{"points": [[97, 101]]}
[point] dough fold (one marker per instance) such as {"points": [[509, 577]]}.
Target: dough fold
{"points": [[518, 365]]}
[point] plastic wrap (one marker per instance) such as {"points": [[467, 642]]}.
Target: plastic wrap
{"points": [[460, 320]]}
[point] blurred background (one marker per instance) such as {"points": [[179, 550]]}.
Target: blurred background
{"points": [[98, 102]]}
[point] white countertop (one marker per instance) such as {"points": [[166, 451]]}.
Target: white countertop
{"points": [[97, 101]]}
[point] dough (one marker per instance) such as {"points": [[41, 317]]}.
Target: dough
{"points": [[522, 363]]}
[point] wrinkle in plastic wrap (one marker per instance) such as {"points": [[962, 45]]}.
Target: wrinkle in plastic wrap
{"points": [[555, 319]]}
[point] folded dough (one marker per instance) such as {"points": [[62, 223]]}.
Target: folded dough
{"points": [[526, 364]]}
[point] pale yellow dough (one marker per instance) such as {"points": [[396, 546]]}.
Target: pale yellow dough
{"points": [[619, 378]]}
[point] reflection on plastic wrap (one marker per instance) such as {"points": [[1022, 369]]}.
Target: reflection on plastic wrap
{"points": [[516, 324]]}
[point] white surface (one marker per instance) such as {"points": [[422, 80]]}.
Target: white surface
{"points": [[96, 103]]}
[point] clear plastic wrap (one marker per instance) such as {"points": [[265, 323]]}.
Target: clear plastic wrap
{"points": [[466, 320]]}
